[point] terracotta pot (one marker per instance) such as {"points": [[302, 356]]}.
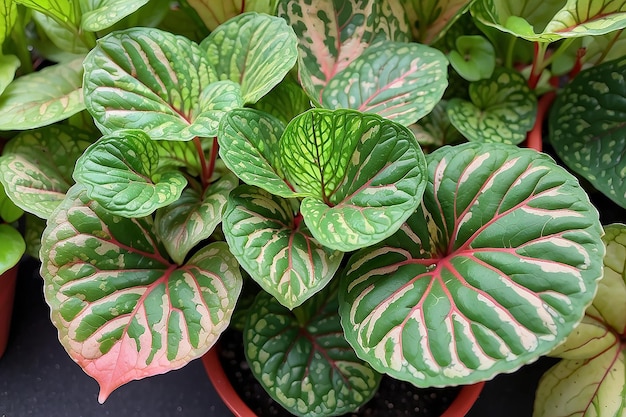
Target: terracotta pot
{"points": [[7, 294], [459, 407]]}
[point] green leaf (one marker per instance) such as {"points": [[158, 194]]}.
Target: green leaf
{"points": [[494, 269], [538, 20], [248, 141], [503, 109], [430, 19], [98, 15], [588, 339], [33, 229], [119, 172], [276, 250], [353, 199], [155, 81], [123, 311], [63, 11], [12, 247], [8, 65], [60, 35], [474, 57], [435, 128], [36, 166], [399, 81], [9, 212], [307, 367], [214, 13], [193, 217], [254, 50], [587, 127], [43, 97], [179, 155], [8, 17], [285, 101]]}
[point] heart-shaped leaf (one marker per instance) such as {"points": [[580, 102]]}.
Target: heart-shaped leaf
{"points": [[537, 20], [248, 141], [155, 81], [430, 19], [474, 57], [119, 172], [254, 50], [276, 249], [307, 367], [98, 15], [400, 81], [353, 198], [193, 217], [123, 310], [36, 166], [43, 97], [587, 127], [494, 269], [503, 109], [214, 13], [12, 247]]}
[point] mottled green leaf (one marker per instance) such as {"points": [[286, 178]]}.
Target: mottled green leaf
{"points": [[588, 127], [12, 247], [362, 175], [119, 172], [179, 155], [214, 13], [285, 101], [36, 166], [494, 269], [193, 217], [43, 97], [435, 128], [275, 248], [307, 367], [503, 109], [33, 229], [254, 50], [122, 309], [399, 81], [98, 15], [474, 57]]}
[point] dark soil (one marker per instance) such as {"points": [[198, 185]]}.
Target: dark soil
{"points": [[393, 399]]}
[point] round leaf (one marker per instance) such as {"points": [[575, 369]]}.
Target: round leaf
{"points": [[254, 50], [353, 199], [123, 311], [119, 172], [474, 57], [12, 247], [494, 269], [587, 127], [276, 250], [503, 109], [309, 367]]}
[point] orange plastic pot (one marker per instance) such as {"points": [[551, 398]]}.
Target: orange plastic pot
{"points": [[7, 294], [459, 407]]}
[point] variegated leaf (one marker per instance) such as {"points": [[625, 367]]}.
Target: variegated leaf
{"points": [[275, 248], [254, 50], [430, 19], [98, 15], [393, 23], [285, 101], [193, 217], [214, 13], [119, 172], [612, 288], [306, 365], [179, 155], [435, 129], [590, 337], [494, 269], [587, 127], [36, 166], [43, 97], [503, 109], [122, 309], [362, 175], [399, 81], [331, 34]]}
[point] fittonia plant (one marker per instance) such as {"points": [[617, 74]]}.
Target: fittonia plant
{"points": [[200, 164]]}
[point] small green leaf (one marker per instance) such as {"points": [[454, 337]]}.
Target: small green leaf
{"points": [[60, 35], [587, 127], [98, 15], [285, 101], [63, 11], [254, 50], [8, 17], [215, 101], [36, 166], [430, 19], [503, 109], [308, 368], [43, 97], [193, 217], [12, 247], [9, 212], [119, 172], [8, 65], [214, 13], [435, 128], [474, 58], [277, 251]]}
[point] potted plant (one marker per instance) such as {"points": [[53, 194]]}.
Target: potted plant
{"points": [[212, 157]]}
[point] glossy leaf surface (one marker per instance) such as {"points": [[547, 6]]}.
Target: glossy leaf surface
{"points": [[214, 13], [503, 109], [353, 199], [253, 50], [98, 15], [12, 247], [33, 101], [494, 269], [474, 57], [276, 250], [123, 310], [587, 127], [60, 10], [430, 19], [612, 287], [119, 172], [309, 368], [36, 166], [399, 81], [9, 212], [285, 101]]}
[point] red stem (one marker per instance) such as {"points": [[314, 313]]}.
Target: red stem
{"points": [[578, 65], [533, 79], [534, 139], [206, 174], [214, 151]]}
